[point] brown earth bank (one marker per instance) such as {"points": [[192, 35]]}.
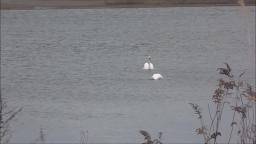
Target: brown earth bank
{"points": [[48, 4]]}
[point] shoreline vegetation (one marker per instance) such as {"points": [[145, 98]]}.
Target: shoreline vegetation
{"points": [[235, 96], [80, 4]]}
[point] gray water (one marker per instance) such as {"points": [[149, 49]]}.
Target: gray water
{"points": [[81, 70]]}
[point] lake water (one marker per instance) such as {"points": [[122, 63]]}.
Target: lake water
{"points": [[81, 70]]}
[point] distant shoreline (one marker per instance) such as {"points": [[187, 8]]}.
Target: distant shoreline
{"points": [[83, 4]]}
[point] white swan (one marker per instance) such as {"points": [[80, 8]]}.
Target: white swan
{"points": [[148, 65], [157, 76]]}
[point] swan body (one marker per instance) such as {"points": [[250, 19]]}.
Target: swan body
{"points": [[148, 66], [157, 76]]}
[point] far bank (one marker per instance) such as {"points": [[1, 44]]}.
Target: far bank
{"points": [[73, 4]]}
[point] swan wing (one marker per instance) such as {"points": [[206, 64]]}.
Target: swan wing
{"points": [[146, 66], [151, 66], [160, 76]]}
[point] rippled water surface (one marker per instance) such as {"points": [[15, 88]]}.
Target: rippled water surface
{"points": [[81, 70]]}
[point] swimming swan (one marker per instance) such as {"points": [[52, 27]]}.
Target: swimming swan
{"points": [[157, 76], [148, 65]]}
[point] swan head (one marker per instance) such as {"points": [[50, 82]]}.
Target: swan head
{"points": [[149, 58]]}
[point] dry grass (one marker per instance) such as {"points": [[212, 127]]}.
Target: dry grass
{"points": [[41, 137], [240, 97], [6, 117], [149, 140], [84, 137]]}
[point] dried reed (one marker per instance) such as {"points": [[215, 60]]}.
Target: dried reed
{"points": [[6, 117], [148, 139], [84, 137], [240, 97]]}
